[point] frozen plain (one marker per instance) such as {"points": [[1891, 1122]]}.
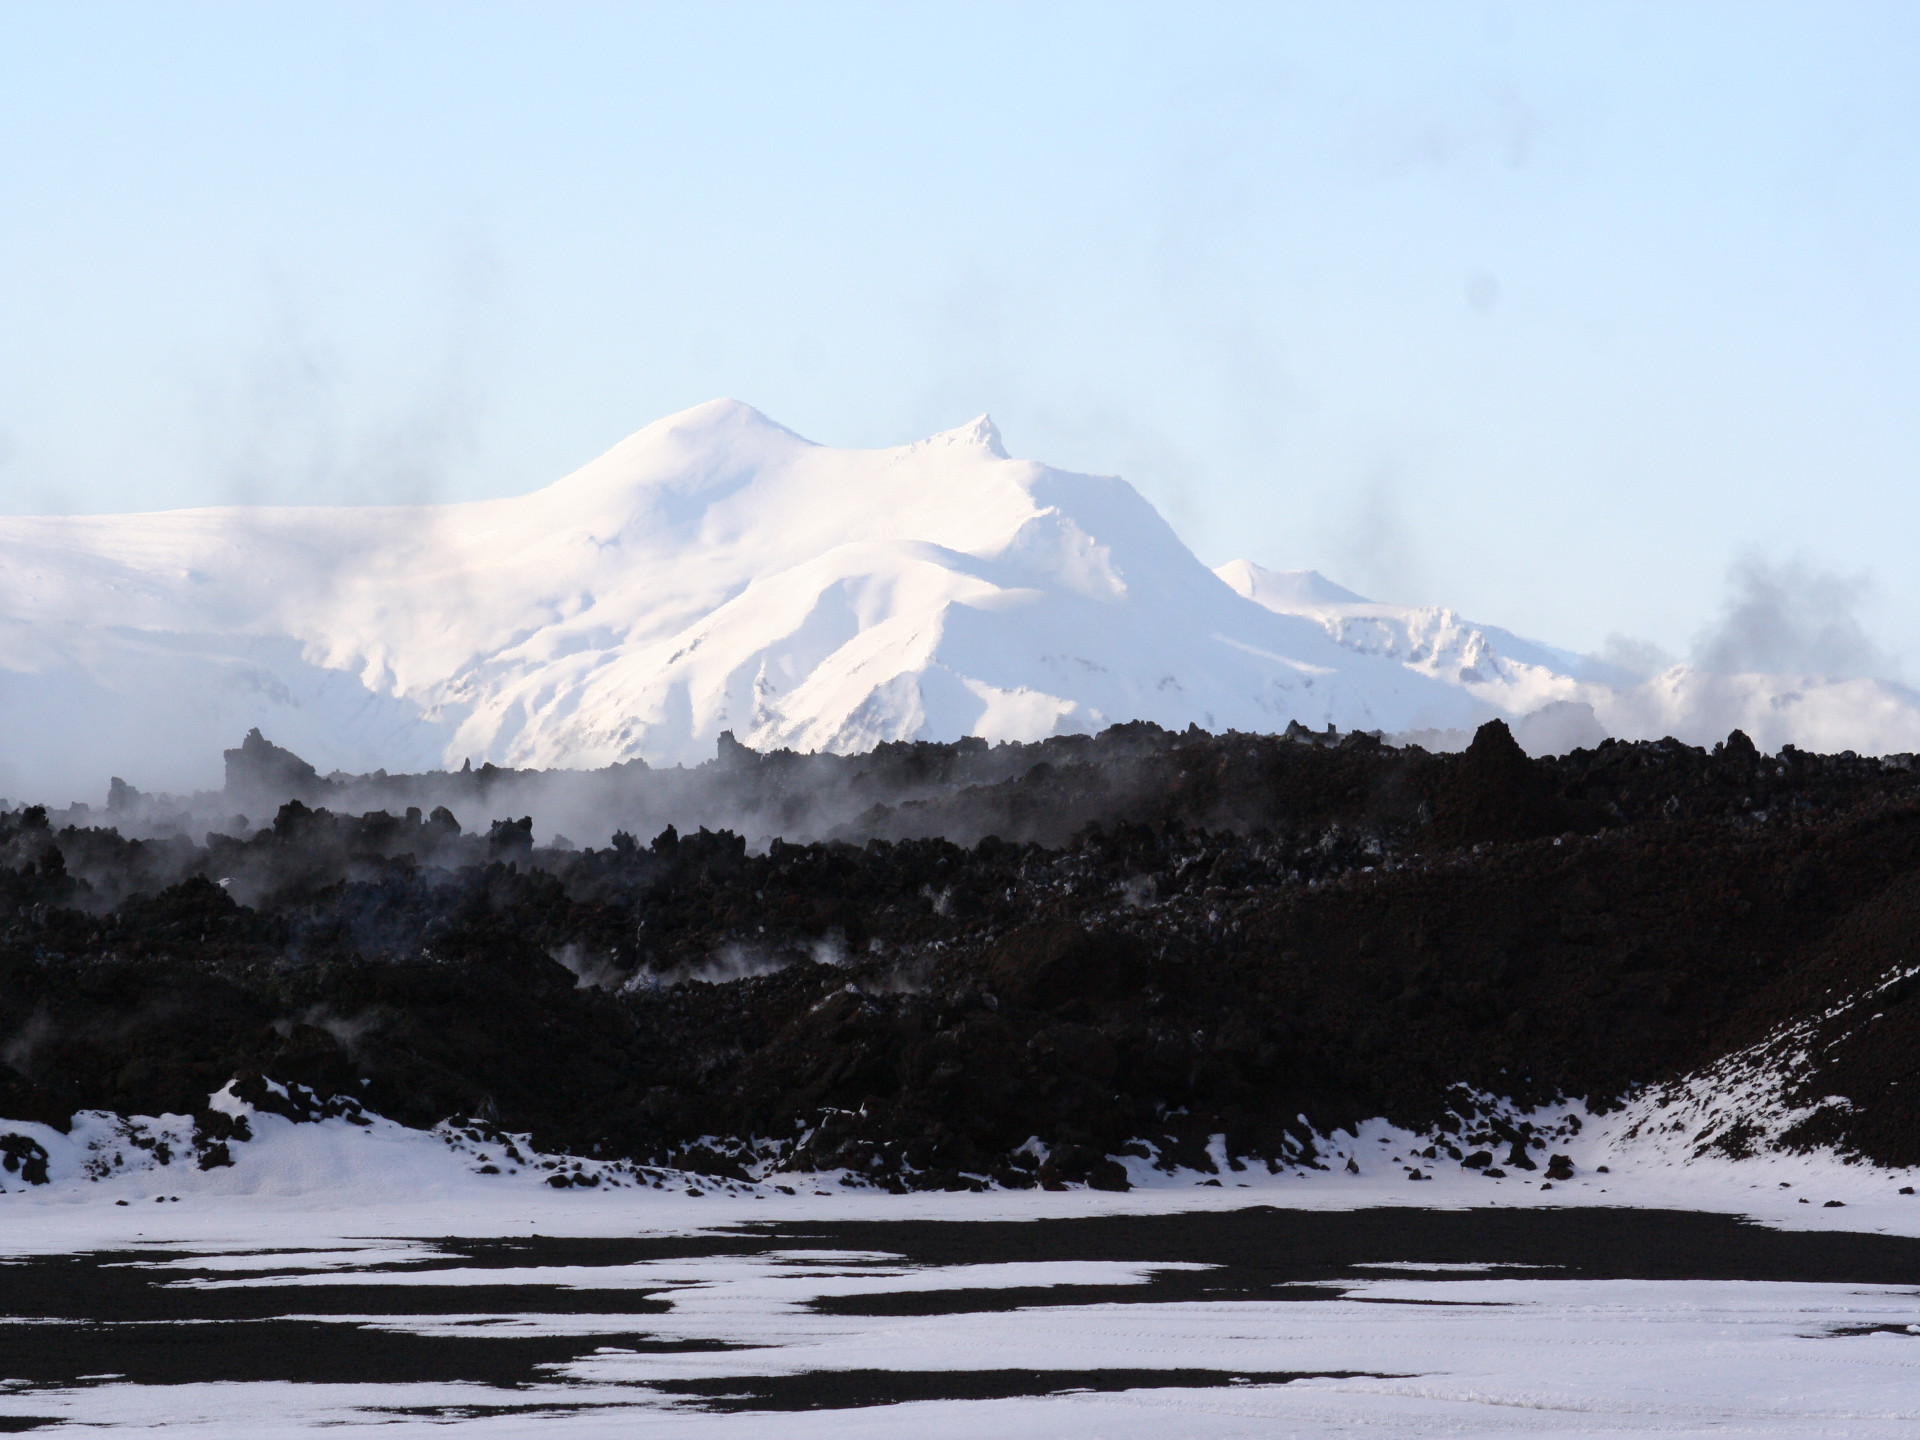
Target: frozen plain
{"points": [[369, 1276]]}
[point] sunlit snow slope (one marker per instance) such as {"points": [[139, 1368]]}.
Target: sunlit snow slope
{"points": [[1575, 699], [714, 571]]}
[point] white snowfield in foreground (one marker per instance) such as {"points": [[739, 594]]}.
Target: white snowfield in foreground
{"points": [[1406, 1350], [1484, 1358], [1422, 1354], [717, 572], [339, 1178], [1658, 1148], [1422, 1349]]}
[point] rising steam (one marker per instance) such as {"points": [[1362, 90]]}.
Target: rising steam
{"points": [[1791, 618]]}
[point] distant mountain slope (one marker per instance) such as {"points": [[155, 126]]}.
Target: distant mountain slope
{"points": [[712, 572], [1575, 699]]}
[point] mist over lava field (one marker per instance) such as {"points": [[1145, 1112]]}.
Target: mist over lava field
{"points": [[996, 964]]}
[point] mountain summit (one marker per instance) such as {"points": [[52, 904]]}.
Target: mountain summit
{"points": [[712, 572]]}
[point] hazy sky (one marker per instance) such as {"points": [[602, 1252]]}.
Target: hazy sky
{"points": [[1579, 319]]}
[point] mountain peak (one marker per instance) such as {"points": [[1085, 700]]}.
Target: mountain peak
{"points": [[721, 414], [980, 433], [1285, 589]]}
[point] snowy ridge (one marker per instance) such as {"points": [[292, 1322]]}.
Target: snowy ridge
{"points": [[1575, 700], [1757, 1100]]}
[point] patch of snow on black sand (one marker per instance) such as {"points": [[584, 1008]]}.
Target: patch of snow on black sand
{"points": [[659, 1302]]}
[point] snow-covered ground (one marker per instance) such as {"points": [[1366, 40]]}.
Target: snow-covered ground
{"points": [[1443, 1355], [381, 1178], [715, 571], [1400, 1343]]}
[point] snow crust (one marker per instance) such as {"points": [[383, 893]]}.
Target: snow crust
{"points": [[1472, 1357]]}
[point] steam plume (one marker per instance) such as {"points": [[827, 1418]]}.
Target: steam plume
{"points": [[1791, 618]]}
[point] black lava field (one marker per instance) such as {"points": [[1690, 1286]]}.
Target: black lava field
{"points": [[1140, 936]]}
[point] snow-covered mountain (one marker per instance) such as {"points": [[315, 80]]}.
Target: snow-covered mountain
{"points": [[712, 572], [716, 572], [1561, 699]]}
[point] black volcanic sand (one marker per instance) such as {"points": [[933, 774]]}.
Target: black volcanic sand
{"points": [[1242, 930], [132, 1318]]}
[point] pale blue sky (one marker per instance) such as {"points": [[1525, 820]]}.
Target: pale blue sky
{"points": [[1548, 313]]}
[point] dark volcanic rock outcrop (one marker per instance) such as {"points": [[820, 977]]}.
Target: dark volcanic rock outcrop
{"points": [[1270, 930]]}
